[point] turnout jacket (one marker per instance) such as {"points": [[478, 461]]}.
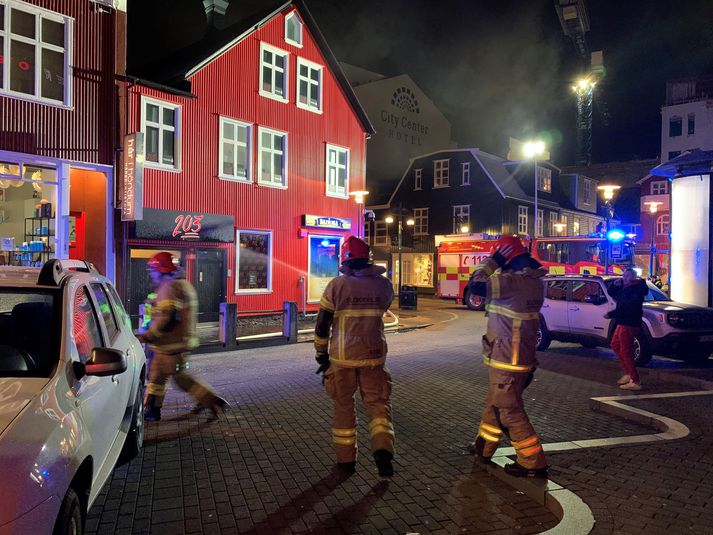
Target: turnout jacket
{"points": [[353, 305], [513, 309], [173, 317]]}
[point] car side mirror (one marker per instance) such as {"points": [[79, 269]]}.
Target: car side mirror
{"points": [[104, 362]]}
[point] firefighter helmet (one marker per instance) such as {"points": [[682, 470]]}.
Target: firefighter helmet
{"points": [[163, 262], [510, 247], [353, 248]]}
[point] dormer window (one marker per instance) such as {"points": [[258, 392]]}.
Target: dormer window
{"points": [[293, 29]]}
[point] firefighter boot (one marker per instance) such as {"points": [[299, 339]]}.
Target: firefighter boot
{"points": [[152, 413], [517, 470], [347, 468], [218, 407], [476, 448], [383, 458]]}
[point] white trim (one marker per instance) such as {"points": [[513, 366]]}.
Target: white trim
{"points": [[422, 214], [461, 213], [285, 73], [445, 173], [270, 248], [320, 87], [658, 183], [288, 17], [222, 120], [385, 227], [520, 214], [336, 193], [309, 257], [465, 166], [474, 152], [161, 127], [418, 179], [540, 230], [272, 132]]}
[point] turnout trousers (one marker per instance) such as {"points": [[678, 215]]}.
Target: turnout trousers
{"points": [[374, 385], [166, 365], [504, 414]]}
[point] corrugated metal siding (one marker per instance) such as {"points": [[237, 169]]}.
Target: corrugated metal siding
{"points": [[229, 87], [86, 131]]}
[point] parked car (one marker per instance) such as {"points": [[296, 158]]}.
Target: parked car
{"points": [[574, 310], [71, 385]]}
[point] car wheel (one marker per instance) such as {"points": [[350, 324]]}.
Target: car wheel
{"points": [[69, 520], [474, 302], [543, 336], [642, 351], [135, 438]]}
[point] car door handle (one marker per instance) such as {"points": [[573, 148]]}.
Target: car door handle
{"points": [[545, 306], [575, 309], [115, 379]]}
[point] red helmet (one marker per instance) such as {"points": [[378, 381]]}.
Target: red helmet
{"points": [[510, 247], [163, 262], [353, 248]]}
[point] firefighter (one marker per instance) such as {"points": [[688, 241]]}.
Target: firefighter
{"points": [[352, 309], [171, 337], [515, 292], [144, 326]]}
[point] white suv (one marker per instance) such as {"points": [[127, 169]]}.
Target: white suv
{"points": [[71, 388], [574, 310]]}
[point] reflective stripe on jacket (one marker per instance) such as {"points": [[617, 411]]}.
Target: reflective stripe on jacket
{"points": [[173, 317]]}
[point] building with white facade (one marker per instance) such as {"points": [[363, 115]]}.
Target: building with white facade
{"points": [[687, 117]]}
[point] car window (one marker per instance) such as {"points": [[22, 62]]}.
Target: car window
{"points": [[655, 294], [587, 292], [556, 290], [85, 325], [119, 309], [105, 310]]}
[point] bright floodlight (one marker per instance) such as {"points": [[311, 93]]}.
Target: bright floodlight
{"points": [[608, 190], [464, 229], [531, 149], [389, 219], [410, 221], [359, 195], [583, 85], [653, 206]]}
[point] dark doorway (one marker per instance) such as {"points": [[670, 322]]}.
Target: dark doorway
{"points": [[139, 282], [209, 280]]}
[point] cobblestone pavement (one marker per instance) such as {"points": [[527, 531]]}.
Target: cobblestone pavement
{"points": [[266, 466]]}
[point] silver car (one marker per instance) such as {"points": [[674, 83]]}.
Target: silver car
{"points": [[71, 384]]}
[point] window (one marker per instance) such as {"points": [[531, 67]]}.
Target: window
{"points": [[440, 173], [309, 85], [575, 227], [119, 308], [659, 187], [293, 29], [160, 123], [544, 179], [565, 224], [367, 232], [85, 326], [420, 219], [540, 222], [254, 261], [587, 191], [553, 222], [381, 236], [273, 72], [588, 292], [461, 216], [466, 174], [674, 154], [691, 124], [556, 289], [675, 126], [417, 178], [234, 151], [105, 310], [323, 264], [337, 171], [522, 219], [663, 225], [37, 47], [272, 158]]}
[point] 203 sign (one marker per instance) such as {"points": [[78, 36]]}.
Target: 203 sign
{"points": [[188, 226]]}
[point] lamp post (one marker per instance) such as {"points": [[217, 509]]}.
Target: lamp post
{"points": [[531, 150], [359, 198], [390, 219], [608, 191], [653, 208]]}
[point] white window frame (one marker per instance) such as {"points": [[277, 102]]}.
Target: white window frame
{"points": [[462, 211], [587, 191], [288, 18], [656, 186], [248, 149], [420, 221], [270, 248], [554, 219], [565, 221], [663, 225], [441, 173], [320, 85], [540, 223], [417, 179], [465, 174], [176, 129], [381, 226], [544, 179], [575, 226], [68, 52], [522, 219], [336, 166], [286, 71], [262, 130]]}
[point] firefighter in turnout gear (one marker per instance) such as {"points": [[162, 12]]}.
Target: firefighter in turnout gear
{"points": [[351, 351], [171, 336], [514, 292]]}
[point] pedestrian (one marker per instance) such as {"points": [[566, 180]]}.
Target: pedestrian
{"points": [[351, 352], [629, 293], [515, 293], [171, 336]]}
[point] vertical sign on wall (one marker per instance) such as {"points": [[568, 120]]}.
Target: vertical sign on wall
{"points": [[132, 190]]}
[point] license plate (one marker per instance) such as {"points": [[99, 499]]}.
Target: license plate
{"points": [[708, 338]]}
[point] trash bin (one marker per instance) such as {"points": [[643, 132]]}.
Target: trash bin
{"points": [[408, 298]]}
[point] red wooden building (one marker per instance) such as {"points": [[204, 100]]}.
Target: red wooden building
{"points": [[655, 226], [61, 63], [253, 142]]}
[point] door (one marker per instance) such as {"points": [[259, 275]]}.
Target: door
{"points": [[587, 306], [210, 278], [138, 285], [554, 309]]}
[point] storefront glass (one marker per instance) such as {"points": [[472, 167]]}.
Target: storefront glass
{"points": [[254, 261], [417, 269], [323, 264]]}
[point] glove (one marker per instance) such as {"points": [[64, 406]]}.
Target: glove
{"points": [[478, 288], [323, 361], [500, 260]]}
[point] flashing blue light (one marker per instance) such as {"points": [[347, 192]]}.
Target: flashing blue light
{"points": [[616, 235]]}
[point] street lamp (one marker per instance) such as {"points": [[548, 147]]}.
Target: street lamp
{"points": [[531, 150], [410, 222], [653, 208], [359, 198], [608, 191]]}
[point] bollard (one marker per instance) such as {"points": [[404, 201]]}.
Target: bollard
{"points": [[289, 321], [226, 324]]}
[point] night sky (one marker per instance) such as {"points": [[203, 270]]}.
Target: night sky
{"points": [[504, 68]]}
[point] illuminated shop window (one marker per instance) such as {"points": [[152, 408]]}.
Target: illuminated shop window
{"points": [[254, 261]]}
